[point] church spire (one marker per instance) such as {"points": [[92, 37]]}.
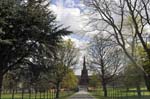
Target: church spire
{"points": [[84, 63], [84, 74]]}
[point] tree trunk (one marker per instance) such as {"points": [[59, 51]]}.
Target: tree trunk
{"points": [[104, 89], [44, 94], [127, 89], [57, 90], [10, 87], [138, 90], [35, 94], [40, 94], [147, 81], [47, 94], [1, 81], [29, 91], [15, 90], [22, 95], [13, 93]]}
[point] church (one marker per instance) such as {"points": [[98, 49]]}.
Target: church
{"points": [[84, 79]]}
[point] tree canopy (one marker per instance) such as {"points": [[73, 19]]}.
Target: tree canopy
{"points": [[27, 29]]}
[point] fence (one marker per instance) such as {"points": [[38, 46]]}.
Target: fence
{"points": [[124, 87], [122, 92], [32, 94]]}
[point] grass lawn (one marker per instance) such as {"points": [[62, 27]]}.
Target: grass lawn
{"points": [[121, 93], [63, 95]]}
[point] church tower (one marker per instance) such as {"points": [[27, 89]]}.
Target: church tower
{"points": [[84, 75]]}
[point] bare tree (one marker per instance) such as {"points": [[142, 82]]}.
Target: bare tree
{"points": [[105, 59], [113, 15], [66, 59]]}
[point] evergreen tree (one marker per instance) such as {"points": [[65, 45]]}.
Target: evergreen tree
{"points": [[26, 28]]}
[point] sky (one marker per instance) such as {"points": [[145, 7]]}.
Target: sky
{"points": [[70, 14]]}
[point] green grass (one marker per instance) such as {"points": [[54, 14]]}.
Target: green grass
{"points": [[121, 93], [63, 95], [26, 96]]}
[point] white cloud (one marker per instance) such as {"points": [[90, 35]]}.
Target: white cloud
{"points": [[70, 3], [81, 44], [69, 16], [72, 16]]}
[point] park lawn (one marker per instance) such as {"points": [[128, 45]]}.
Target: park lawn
{"points": [[63, 95], [26, 96], [121, 93]]}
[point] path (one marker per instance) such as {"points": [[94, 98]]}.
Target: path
{"points": [[81, 95]]}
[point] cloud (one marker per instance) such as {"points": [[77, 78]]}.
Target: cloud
{"points": [[79, 43], [70, 3], [69, 16]]}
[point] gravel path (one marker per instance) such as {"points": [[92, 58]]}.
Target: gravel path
{"points": [[81, 95]]}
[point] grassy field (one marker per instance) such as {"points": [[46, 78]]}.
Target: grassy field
{"points": [[63, 95], [121, 93]]}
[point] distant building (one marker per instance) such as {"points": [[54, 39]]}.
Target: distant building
{"points": [[84, 79]]}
